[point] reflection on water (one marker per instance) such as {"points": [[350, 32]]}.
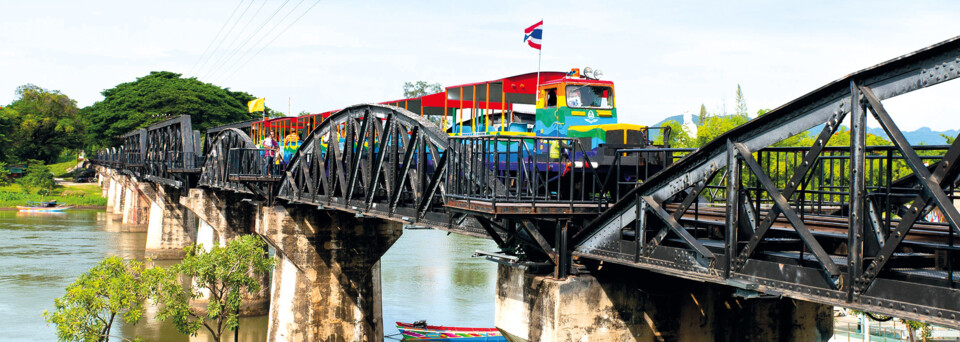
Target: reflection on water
{"points": [[430, 275], [425, 275]]}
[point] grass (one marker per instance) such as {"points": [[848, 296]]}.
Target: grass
{"points": [[86, 195], [60, 169]]}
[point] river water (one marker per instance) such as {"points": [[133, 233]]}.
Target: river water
{"points": [[427, 274]]}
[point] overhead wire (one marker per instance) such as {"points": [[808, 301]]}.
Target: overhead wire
{"points": [[223, 61], [237, 40], [214, 52], [231, 66], [271, 41], [207, 49]]}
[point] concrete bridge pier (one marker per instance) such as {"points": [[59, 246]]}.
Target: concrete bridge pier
{"points": [[110, 189], [621, 304], [223, 216], [326, 284], [136, 206], [171, 226], [118, 189], [103, 180]]}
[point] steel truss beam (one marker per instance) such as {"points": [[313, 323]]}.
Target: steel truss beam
{"points": [[826, 267], [353, 162], [215, 175]]}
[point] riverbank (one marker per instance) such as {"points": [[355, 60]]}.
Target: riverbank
{"points": [[86, 196]]}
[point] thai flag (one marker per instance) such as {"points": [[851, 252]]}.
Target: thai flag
{"points": [[532, 35]]}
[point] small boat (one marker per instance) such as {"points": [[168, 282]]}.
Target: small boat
{"points": [[43, 207], [420, 331]]}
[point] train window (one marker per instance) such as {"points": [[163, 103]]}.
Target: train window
{"points": [[589, 96], [551, 97]]}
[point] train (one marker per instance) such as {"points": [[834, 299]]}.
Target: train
{"points": [[576, 104]]}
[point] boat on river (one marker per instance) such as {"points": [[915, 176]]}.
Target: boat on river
{"points": [[420, 331], [43, 207]]}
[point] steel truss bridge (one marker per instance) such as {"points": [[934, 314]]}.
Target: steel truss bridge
{"points": [[864, 227]]}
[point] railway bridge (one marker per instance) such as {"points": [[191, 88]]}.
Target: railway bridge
{"points": [[736, 240]]}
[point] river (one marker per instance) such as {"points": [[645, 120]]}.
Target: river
{"points": [[427, 274]]}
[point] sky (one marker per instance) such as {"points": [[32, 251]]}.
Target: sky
{"points": [[665, 57]]}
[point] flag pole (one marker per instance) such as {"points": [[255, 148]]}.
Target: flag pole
{"points": [[539, 56], [536, 87]]}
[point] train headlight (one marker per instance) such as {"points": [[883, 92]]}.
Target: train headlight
{"points": [[592, 73], [588, 72]]}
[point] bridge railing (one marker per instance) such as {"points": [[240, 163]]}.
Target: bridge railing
{"points": [[516, 175], [179, 161], [252, 164], [132, 159], [632, 165], [826, 190]]}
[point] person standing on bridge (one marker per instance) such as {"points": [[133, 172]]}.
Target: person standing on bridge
{"points": [[270, 146]]}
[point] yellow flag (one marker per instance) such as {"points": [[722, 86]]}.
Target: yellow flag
{"points": [[256, 105]]}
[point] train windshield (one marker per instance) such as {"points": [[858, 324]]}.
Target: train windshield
{"points": [[589, 96]]}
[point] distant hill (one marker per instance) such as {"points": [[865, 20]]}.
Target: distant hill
{"points": [[922, 135]]}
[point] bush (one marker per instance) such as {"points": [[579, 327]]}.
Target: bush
{"points": [[114, 287], [4, 174], [37, 178]]}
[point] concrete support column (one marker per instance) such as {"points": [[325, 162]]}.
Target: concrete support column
{"points": [[620, 304], [118, 194], [171, 227], [131, 203], [111, 193], [326, 284], [208, 237], [222, 217]]}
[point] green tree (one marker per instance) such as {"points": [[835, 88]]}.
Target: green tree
{"points": [[159, 96], [6, 131], [913, 327], [223, 273], [4, 174], [741, 103], [87, 311], [42, 124], [37, 178], [679, 135], [702, 116], [948, 138], [420, 88], [715, 125]]}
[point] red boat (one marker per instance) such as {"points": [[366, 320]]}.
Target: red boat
{"points": [[420, 331]]}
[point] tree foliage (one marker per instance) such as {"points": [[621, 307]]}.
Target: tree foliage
{"points": [[948, 139], [159, 96], [40, 124], [6, 131], [37, 178], [420, 88], [741, 103], [4, 174], [87, 311], [679, 135], [223, 274]]}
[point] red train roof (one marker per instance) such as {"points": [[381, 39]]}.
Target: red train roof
{"points": [[504, 92]]}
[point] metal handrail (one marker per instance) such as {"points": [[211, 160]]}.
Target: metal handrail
{"points": [[508, 169]]}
